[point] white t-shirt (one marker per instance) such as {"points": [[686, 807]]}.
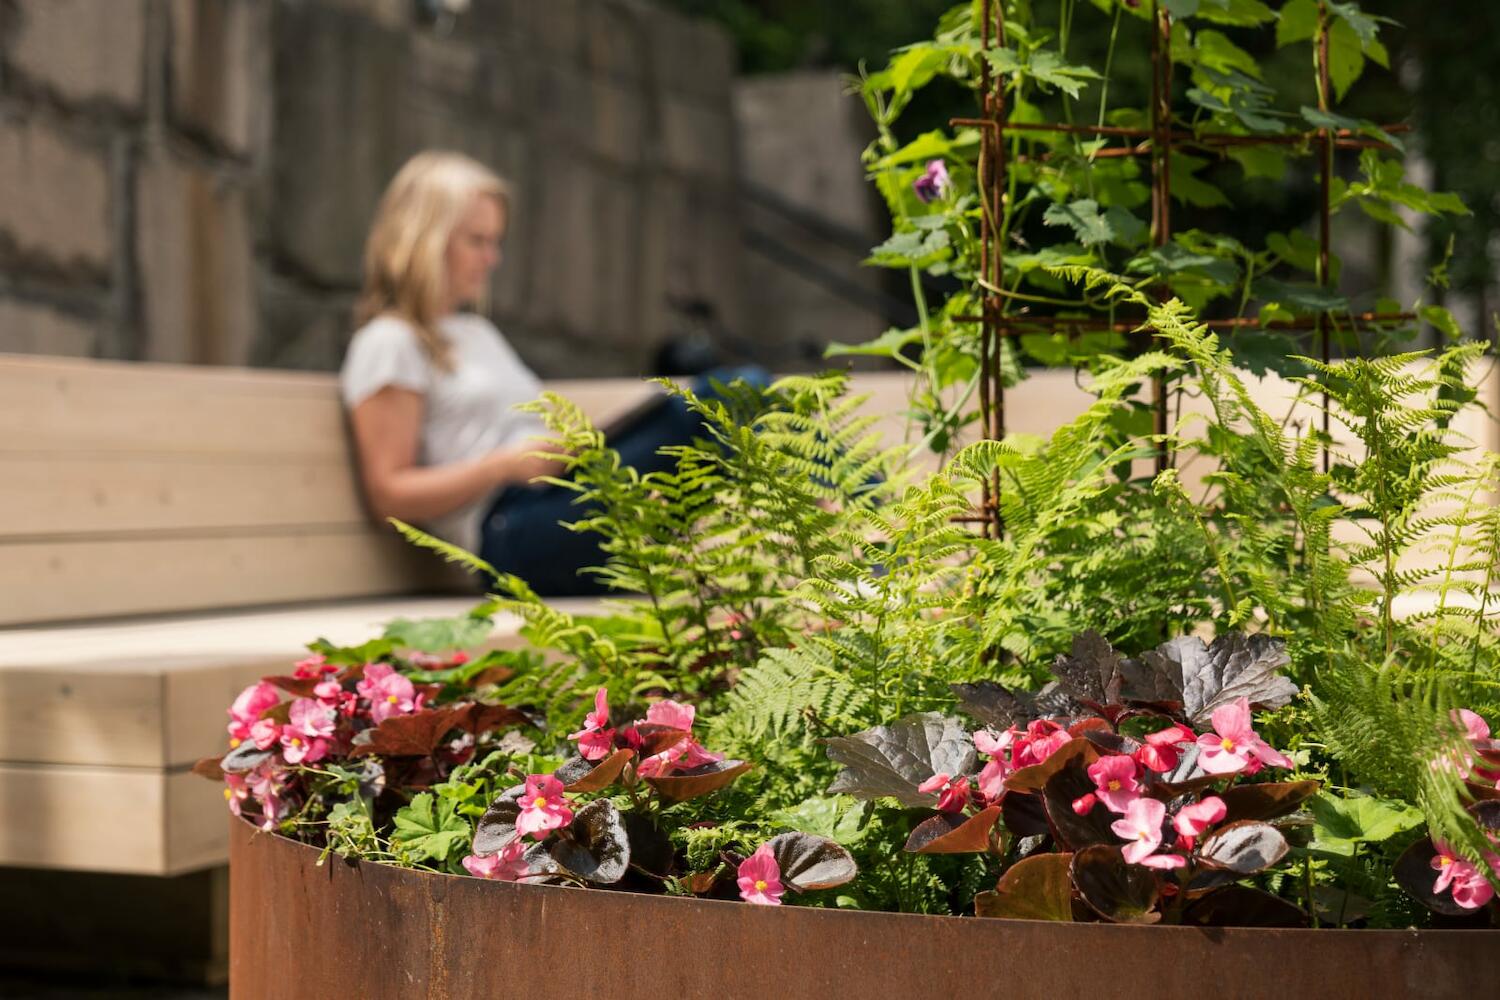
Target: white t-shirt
{"points": [[469, 410]]}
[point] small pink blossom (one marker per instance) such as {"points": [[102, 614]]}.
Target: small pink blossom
{"points": [[543, 807], [314, 666], [672, 714], [1474, 725], [986, 742], [1470, 888], [1160, 752], [1164, 861], [388, 693], [1115, 779], [933, 182], [991, 780], [505, 865], [1043, 739], [1233, 746], [760, 878], [1192, 820], [681, 756], [952, 793], [595, 742], [305, 738], [1142, 827], [247, 708], [1084, 804], [236, 791], [265, 733], [462, 747]]}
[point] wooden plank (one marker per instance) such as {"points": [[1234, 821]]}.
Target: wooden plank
{"points": [[125, 820], [50, 406], [154, 693], [54, 496], [58, 581]]}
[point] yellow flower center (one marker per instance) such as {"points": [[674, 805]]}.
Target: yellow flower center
{"points": [[234, 741], [296, 741], [228, 794], [392, 699], [1227, 743], [1114, 785], [1444, 860], [539, 802], [1144, 835], [760, 885]]}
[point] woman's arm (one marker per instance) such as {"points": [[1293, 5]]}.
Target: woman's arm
{"points": [[387, 426]]}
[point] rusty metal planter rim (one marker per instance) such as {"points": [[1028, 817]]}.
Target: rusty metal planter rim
{"points": [[373, 931]]}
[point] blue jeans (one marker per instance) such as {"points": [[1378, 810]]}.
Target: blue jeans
{"points": [[523, 532]]}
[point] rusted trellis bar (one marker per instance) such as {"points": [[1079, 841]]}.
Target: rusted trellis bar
{"points": [[1157, 142]]}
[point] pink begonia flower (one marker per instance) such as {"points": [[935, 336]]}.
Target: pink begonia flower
{"points": [[388, 693], [760, 878], [1115, 780], [1084, 804], [314, 666], [933, 182], [1192, 820], [1142, 827], [543, 807], [236, 791], [991, 780], [952, 793], [987, 742], [1165, 861], [1043, 739], [1234, 746], [266, 782], [332, 694], [594, 741], [505, 865], [305, 738], [462, 747], [1160, 752], [265, 733], [629, 738], [1470, 888], [681, 756], [1474, 725], [672, 714], [245, 711]]}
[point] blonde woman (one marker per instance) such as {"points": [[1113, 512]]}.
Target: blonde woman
{"points": [[431, 386]]}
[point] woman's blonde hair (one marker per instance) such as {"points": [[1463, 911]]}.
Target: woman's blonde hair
{"points": [[405, 254]]}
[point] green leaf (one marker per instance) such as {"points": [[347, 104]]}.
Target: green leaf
{"points": [[1298, 21], [912, 247], [1217, 52], [1084, 218], [888, 345], [1363, 25], [1346, 57], [1046, 68], [1302, 298], [1237, 13], [1443, 320], [428, 833], [1190, 189], [1340, 823], [931, 146], [1181, 8], [1328, 119], [438, 635], [1260, 161]]}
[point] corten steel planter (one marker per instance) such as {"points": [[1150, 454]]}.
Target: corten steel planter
{"points": [[370, 932]]}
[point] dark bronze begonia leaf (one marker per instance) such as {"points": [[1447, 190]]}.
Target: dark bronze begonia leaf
{"points": [[998, 706], [1269, 800], [698, 781], [891, 761], [244, 757], [1036, 888], [1114, 889], [1067, 786], [808, 862], [1242, 906], [1245, 847], [954, 833], [1025, 814], [497, 827], [1235, 666], [1034, 777], [596, 848], [578, 774]]}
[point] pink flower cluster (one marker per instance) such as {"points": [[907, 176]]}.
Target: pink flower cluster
{"points": [[1467, 882], [315, 729], [1121, 780], [596, 740], [760, 878]]}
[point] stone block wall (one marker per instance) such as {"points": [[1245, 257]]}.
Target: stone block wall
{"points": [[191, 180]]}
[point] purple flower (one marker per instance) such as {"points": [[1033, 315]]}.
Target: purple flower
{"points": [[933, 182]]}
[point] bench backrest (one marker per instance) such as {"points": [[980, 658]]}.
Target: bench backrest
{"points": [[130, 488]]}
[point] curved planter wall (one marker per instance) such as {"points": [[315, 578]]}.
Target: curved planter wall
{"points": [[370, 932]]}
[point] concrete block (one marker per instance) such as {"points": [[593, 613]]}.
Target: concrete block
{"points": [[697, 138], [220, 68], [55, 209], [689, 56], [690, 250], [301, 328], [613, 41], [82, 50], [618, 131], [28, 328], [193, 245]]}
